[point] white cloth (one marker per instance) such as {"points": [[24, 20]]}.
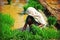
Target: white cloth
{"points": [[36, 15]]}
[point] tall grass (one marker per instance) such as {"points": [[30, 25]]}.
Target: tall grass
{"points": [[52, 20], [6, 22], [35, 33], [35, 4]]}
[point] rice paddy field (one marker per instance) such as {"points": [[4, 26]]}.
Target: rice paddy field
{"points": [[13, 17]]}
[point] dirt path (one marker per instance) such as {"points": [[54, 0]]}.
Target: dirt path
{"points": [[13, 10]]}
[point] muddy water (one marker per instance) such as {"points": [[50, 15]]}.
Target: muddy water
{"points": [[13, 10]]}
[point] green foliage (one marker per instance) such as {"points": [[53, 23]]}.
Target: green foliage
{"points": [[25, 35], [35, 33], [6, 21], [58, 34], [46, 33], [35, 4], [9, 1], [52, 20]]}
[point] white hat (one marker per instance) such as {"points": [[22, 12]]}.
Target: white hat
{"points": [[39, 17]]}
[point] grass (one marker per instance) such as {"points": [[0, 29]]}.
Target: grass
{"points": [[6, 21], [35, 4], [52, 20], [36, 33]]}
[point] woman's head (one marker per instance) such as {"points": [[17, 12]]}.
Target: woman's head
{"points": [[30, 11]]}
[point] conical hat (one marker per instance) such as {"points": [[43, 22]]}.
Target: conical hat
{"points": [[38, 16]]}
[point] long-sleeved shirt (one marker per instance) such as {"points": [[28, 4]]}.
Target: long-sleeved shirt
{"points": [[36, 15]]}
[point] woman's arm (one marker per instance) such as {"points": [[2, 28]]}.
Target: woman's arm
{"points": [[24, 28]]}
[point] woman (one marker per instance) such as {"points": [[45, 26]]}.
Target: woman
{"points": [[35, 17]]}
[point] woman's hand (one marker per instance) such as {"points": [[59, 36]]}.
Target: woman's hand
{"points": [[41, 25]]}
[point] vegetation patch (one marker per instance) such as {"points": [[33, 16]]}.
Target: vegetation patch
{"points": [[35, 4], [35, 33]]}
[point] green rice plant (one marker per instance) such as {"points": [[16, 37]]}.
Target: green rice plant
{"points": [[35, 4], [6, 22], [52, 20], [45, 33], [7, 19], [35, 33], [49, 33], [25, 35], [58, 36], [22, 35]]}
